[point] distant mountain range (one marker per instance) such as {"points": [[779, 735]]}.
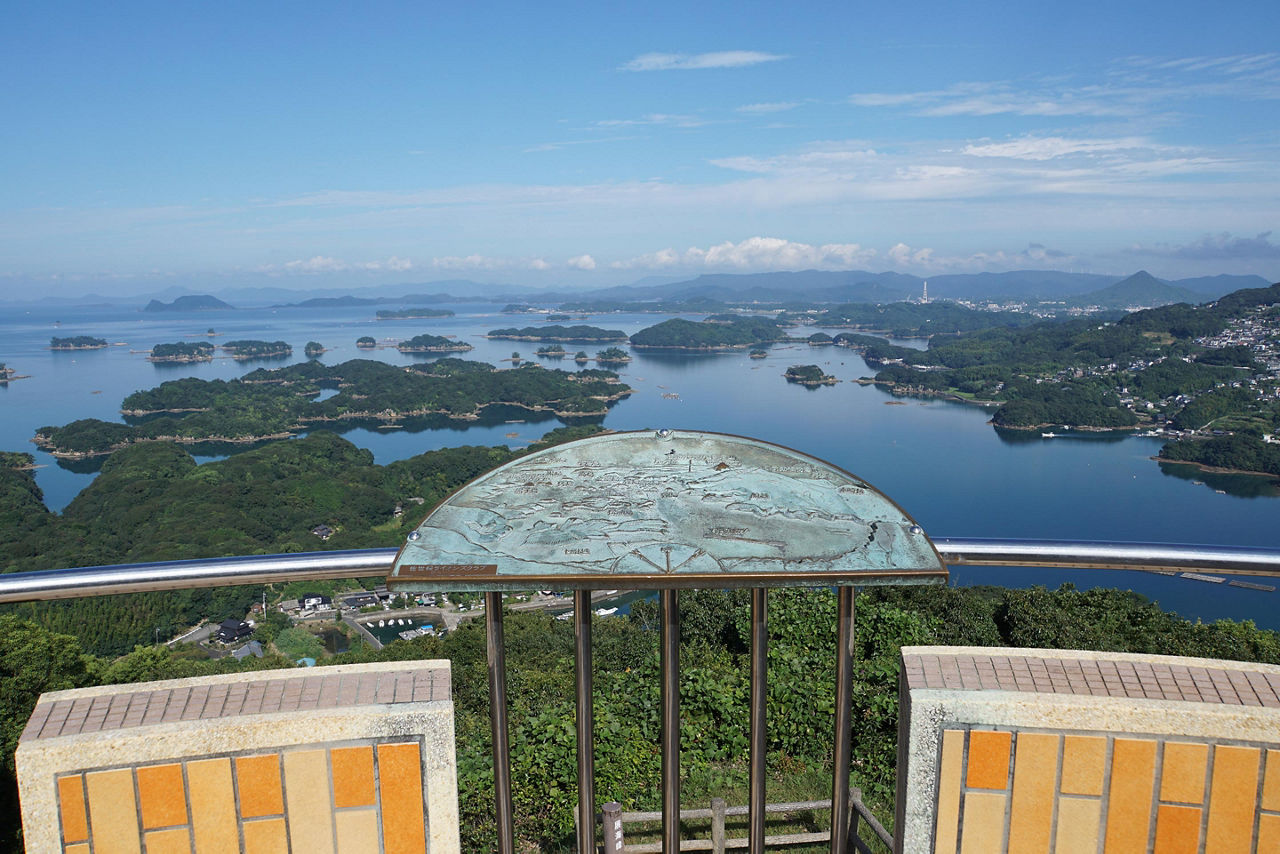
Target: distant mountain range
{"points": [[1139, 290]]}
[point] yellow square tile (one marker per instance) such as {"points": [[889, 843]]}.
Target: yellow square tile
{"points": [[1182, 777], [1035, 773], [173, 841], [982, 828], [352, 776], [1233, 798], [266, 836], [113, 813], [213, 806], [75, 821], [950, 775], [258, 782], [1079, 826], [400, 785], [1084, 759], [357, 831], [1177, 830], [309, 802], [1133, 767]]}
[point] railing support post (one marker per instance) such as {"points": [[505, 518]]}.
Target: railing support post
{"points": [[611, 824], [498, 720], [586, 734], [844, 724], [717, 825], [759, 697], [670, 701]]}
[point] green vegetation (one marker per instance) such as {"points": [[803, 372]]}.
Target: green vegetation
{"points": [[1162, 365], [1238, 452], [249, 349], [613, 356], [551, 351], [313, 350], [759, 354], [199, 351], [921, 320], [581, 357], [810, 375], [433, 344], [77, 342], [819, 339], [735, 332], [564, 334], [389, 314], [190, 302], [366, 342], [277, 403]]}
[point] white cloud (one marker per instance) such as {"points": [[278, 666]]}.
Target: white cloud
{"points": [[582, 262], [686, 61], [539, 264], [1215, 247], [755, 253], [774, 107], [317, 264], [1050, 147]]}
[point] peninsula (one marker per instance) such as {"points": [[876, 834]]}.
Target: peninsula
{"points": [[194, 302]]}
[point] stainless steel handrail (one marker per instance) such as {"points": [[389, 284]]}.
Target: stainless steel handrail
{"points": [[309, 566]]}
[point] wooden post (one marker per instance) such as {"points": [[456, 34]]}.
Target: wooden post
{"points": [[611, 818], [717, 825], [855, 797]]}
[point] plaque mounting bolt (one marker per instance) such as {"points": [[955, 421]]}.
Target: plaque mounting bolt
{"points": [[915, 529], [414, 536], [664, 434]]}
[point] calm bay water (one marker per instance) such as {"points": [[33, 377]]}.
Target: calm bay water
{"points": [[939, 460]]}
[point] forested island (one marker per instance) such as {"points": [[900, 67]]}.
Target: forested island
{"points": [[366, 342], [314, 349], [407, 313], [613, 356], [559, 334], [808, 375], [729, 333], [78, 342], [551, 351], [266, 404], [248, 349], [911, 319], [199, 351], [433, 344]]}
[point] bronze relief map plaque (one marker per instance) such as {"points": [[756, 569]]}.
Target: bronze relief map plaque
{"points": [[662, 509]]}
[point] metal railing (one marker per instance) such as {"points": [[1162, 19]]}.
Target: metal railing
{"points": [[174, 575], [80, 582]]}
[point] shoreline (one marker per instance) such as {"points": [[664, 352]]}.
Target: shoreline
{"points": [[1216, 469]]}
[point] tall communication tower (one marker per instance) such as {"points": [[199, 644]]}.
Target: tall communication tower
{"points": [[924, 298]]}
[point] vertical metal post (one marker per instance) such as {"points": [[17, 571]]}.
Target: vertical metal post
{"points": [[844, 725], [586, 733], [670, 701], [759, 697], [498, 720], [611, 825]]}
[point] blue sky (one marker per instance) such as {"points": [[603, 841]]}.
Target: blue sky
{"points": [[588, 144]]}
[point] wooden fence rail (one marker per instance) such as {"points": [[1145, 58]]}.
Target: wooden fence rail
{"points": [[613, 819]]}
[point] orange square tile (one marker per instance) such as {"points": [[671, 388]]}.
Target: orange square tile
{"points": [[1233, 798], [266, 836], [162, 796], [1084, 759], [400, 785], [988, 759], [1177, 830], [258, 780], [173, 841], [1182, 778], [950, 774], [306, 784], [80, 848], [1035, 773], [352, 776], [75, 821], [982, 830], [1133, 767], [1271, 782], [213, 806], [113, 814], [1268, 834]]}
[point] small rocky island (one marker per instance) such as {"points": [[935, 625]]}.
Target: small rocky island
{"points": [[809, 375], [249, 349], [199, 351], [78, 342], [559, 334], [433, 344]]}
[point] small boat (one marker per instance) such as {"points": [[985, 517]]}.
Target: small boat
{"points": [[381, 623], [1048, 435], [606, 612], [1197, 483], [1221, 491]]}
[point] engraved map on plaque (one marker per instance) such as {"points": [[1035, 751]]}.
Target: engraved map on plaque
{"points": [[666, 509]]}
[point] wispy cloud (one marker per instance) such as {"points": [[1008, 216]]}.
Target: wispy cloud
{"points": [[581, 262], [1051, 147], [666, 119], [693, 61], [771, 107], [328, 264], [569, 143]]}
